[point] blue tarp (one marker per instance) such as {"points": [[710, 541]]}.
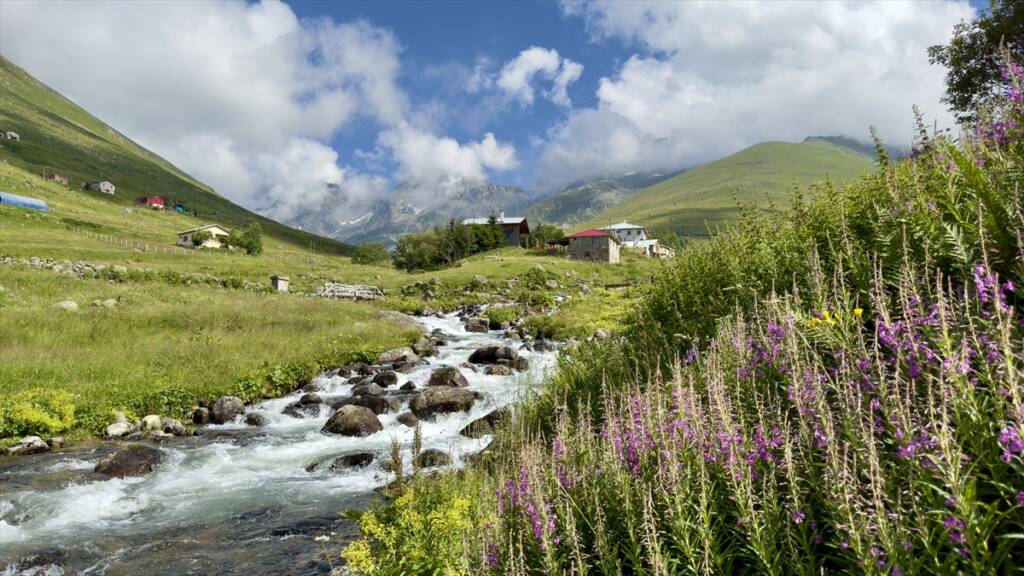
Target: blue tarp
{"points": [[23, 201]]}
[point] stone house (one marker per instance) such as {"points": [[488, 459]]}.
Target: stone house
{"points": [[218, 236], [594, 245], [628, 232]]}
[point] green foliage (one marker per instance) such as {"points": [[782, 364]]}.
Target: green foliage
{"points": [[37, 412], [371, 253], [201, 237], [441, 247], [544, 233], [496, 315], [972, 57], [420, 532], [249, 239]]}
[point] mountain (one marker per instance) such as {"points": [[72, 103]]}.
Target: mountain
{"points": [[866, 148], [762, 175], [410, 208], [58, 136], [582, 201]]}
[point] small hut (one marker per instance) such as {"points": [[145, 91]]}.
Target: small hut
{"points": [[279, 283], [594, 245]]}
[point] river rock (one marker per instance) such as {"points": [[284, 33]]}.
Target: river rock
{"points": [[367, 389], [484, 355], [468, 366], [67, 305], [130, 460], [477, 325], [542, 345], [425, 346], [226, 408], [499, 370], [431, 458], [357, 460], [447, 376], [441, 400], [151, 422], [386, 378], [404, 321], [298, 410], [398, 355], [172, 426], [477, 428], [120, 429], [200, 415], [521, 364], [353, 420], [310, 398], [376, 404], [29, 445], [408, 419], [256, 419], [407, 387], [55, 442]]}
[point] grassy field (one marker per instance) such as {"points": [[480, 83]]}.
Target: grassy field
{"points": [[59, 136], [760, 176]]}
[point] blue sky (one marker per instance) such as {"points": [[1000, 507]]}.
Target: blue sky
{"points": [[269, 101]]}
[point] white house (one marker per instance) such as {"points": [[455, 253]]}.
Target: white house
{"points": [[628, 232], [103, 186], [218, 236], [650, 248]]}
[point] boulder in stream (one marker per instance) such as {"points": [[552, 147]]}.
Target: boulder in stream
{"points": [[431, 458], [492, 354], [130, 460], [376, 404], [499, 370], [357, 460], [353, 420], [29, 445], [425, 346], [521, 364], [172, 426], [226, 408], [386, 378], [408, 419], [398, 355], [151, 422], [441, 400], [200, 415], [447, 376], [256, 419]]}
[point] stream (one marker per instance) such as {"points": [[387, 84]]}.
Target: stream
{"points": [[236, 499]]}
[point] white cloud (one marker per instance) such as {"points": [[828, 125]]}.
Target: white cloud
{"points": [[426, 158], [243, 96], [710, 78], [518, 75]]}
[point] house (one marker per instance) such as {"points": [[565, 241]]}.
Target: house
{"points": [[218, 236], [12, 136], [628, 232], [179, 208], [154, 202], [102, 186], [9, 199], [515, 228], [596, 245], [52, 177], [650, 248]]}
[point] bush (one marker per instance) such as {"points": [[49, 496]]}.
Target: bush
{"points": [[249, 239], [36, 412], [496, 315], [201, 237]]}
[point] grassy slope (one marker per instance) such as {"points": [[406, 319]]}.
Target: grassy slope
{"points": [[58, 136], [761, 175]]}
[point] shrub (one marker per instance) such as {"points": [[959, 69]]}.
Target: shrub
{"points": [[201, 237], [496, 315], [249, 239], [36, 412]]}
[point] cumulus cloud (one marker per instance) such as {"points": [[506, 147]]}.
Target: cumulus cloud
{"points": [[517, 76], [710, 78], [241, 95], [429, 159]]}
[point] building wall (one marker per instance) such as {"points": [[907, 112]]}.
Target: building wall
{"points": [[596, 248]]}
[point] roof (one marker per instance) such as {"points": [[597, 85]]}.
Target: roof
{"points": [[591, 233], [640, 243], [201, 228], [502, 221], [623, 226]]}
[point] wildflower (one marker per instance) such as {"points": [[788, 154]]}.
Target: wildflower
{"points": [[1011, 442], [951, 502], [844, 545], [798, 516], [491, 556], [1020, 498], [896, 571], [858, 312]]}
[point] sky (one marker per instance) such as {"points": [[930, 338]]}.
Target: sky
{"points": [[269, 101]]}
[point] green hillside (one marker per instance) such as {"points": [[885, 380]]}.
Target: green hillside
{"points": [[58, 136], [762, 175]]}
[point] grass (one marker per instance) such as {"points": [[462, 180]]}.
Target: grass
{"points": [[59, 136], [163, 348], [761, 176]]}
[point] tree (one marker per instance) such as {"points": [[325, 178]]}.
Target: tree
{"points": [[371, 253], [201, 237], [973, 57], [492, 236], [545, 233], [420, 251], [249, 239]]}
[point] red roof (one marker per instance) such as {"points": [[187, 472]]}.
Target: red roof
{"points": [[592, 233], [150, 200]]}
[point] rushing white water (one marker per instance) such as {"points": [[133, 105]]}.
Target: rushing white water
{"points": [[241, 486]]}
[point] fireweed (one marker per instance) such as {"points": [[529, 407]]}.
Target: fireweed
{"points": [[834, 388]]}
